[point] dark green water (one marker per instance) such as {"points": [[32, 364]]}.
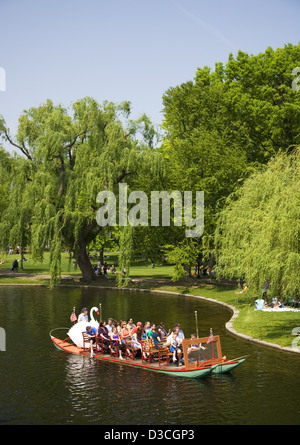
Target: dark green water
{"points": [[41, 385]]}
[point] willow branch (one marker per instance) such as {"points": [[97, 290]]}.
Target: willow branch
{"points": [[23, 149]]}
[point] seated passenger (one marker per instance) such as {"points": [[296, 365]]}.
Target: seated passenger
{"points": [[116, 340], [125, 332], [91, 333], [139, 331], [180, 332], [103, 334], [151, 331], [174, 343], [194, 347], [163, 330], [134, 329], [146, 329], [130, 323], [109, 325], [157, 336], [134, 342]]}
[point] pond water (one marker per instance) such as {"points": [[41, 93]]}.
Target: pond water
{"points": [[41, 385]]}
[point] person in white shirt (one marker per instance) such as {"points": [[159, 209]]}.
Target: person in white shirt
{"points": [[174, 343], [180, 332], [83, 316], [109, 326]]}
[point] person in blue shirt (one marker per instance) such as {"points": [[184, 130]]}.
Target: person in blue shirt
{"points": [[91, 333]]}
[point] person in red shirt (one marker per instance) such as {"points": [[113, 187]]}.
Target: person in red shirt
{"points": [[133, 330]]}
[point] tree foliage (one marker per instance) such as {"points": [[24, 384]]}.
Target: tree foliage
{"points": [[258, 232], [68, 157], [220, 129], [225, 124]]}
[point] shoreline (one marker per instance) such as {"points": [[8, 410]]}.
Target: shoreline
{"points": [[228, 325]]}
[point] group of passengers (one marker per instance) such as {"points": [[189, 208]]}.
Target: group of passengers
{"points": [[122, 333]]}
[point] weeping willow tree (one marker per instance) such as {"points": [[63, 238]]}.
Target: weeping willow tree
{"points": [[17, 212], [67, 158], [5, 172], [257, 236]]}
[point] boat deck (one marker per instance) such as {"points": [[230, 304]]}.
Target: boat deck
{"points": [[73, 349]]}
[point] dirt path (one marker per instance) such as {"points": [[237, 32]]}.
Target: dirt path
{"points": [[11, 274]]}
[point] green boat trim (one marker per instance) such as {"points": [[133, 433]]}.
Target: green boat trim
{"points": [[228, 366]]}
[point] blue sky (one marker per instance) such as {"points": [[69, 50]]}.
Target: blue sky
{"points": [[127, 50]]}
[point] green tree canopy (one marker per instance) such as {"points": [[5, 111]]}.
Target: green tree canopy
{"points": [[224, 124], [258, 232], [68, 157]]}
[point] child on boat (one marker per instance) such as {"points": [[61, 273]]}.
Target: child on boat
{"points": [[116, 342], [134, 342]]}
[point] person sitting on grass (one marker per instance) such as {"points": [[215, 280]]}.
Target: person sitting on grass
{"points": [[15, 265], [259, 304]]}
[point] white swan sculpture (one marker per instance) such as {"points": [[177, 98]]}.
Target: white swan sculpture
{"points": [[75, 333]]}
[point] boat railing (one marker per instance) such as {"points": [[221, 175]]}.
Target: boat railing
{"points": [[57, 329]]}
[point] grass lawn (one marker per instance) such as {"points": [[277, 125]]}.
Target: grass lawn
{"points": [[273, 327], [138, 268]]}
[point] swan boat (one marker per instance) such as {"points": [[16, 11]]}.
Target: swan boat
{"points": [[202, 356]]}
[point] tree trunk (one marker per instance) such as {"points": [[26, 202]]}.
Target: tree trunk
{"points": [[84, 263], [187, 269], [88, 233], [101, 254]]}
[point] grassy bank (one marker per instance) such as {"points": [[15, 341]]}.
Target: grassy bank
{"points": [[272, 327], [139, 267]]}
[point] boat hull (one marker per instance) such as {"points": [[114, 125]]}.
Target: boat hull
{"points": [[195, 373], [228, 366]]}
